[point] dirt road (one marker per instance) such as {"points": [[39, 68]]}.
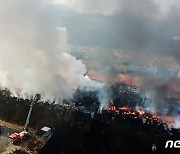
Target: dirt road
{"points": [[5, 145]]}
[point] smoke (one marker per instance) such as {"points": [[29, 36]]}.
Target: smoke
{"points": [[149, 26], [92, 6], [36, 34], [177, 122], [108, 7], [146, 32], [33, 56]]}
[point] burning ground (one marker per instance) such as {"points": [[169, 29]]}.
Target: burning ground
{"points": [[81, 128], [133, 108]]}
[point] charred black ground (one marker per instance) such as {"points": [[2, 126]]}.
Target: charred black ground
{"points": [[80, 128]]}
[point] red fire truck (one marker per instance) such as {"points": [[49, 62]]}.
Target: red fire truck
{"points": [[18, 137]]}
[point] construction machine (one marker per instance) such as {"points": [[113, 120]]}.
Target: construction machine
{"points": [[18, 137]]}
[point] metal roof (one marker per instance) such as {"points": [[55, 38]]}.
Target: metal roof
{"points": [[46, 129]]}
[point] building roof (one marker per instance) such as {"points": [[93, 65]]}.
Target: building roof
{"points": [[46, 129]]}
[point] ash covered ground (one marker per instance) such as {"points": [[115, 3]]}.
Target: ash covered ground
{"points": [[80, 127]]}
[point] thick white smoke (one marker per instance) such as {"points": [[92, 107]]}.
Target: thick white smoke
{"points": [[33, 56], [176, 122]]}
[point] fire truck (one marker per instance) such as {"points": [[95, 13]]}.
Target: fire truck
{"points": [[19, 137]]}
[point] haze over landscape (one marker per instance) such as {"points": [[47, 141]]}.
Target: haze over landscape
{"points": [[114, 64]]}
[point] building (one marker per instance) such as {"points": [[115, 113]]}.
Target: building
{"points": [[79, 55], [132, 83]]}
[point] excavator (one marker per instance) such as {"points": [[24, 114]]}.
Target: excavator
{"points": [[19, 137]]}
